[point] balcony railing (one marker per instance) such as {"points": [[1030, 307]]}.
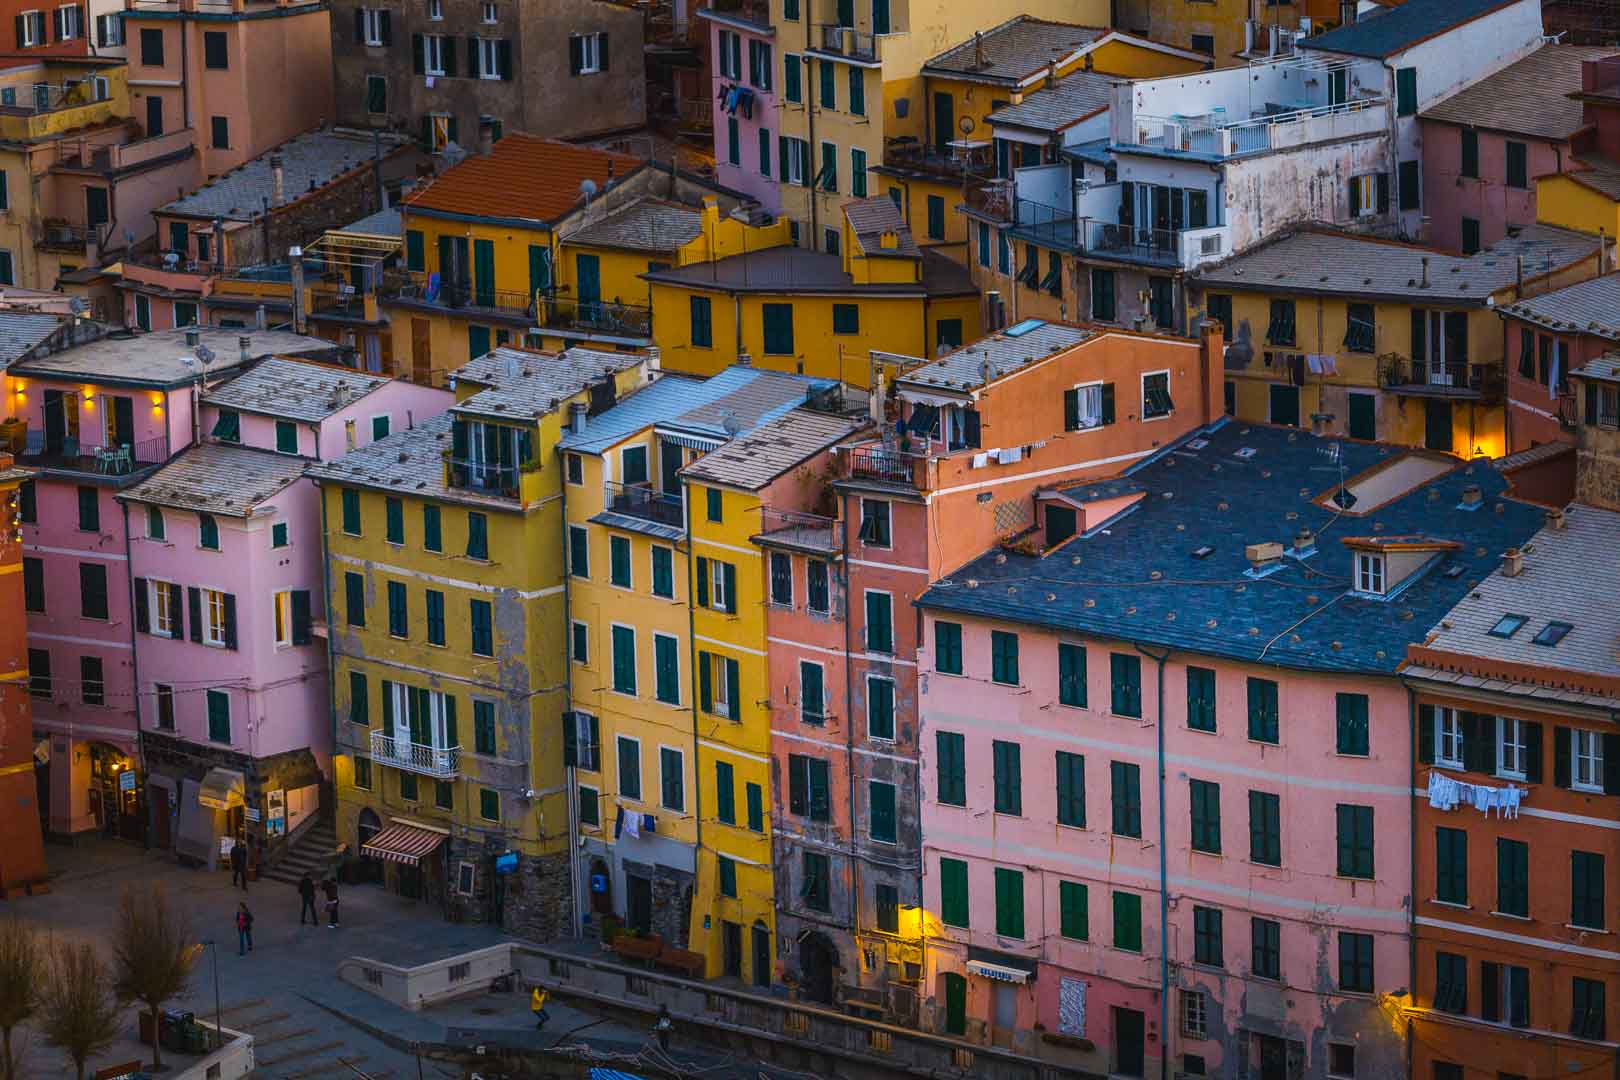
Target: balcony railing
{"points": [[848, 41], [115, 459], [1456, 378], [60, 235], [605, 317], [907, 152], [1047, 225], [990, 196], [436, 291], [645, 502], [1158, 246], [484, 477], [442, 762], [880, 463], [797, 529], [1213, 135]]}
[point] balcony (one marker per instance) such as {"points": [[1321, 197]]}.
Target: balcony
{"points": [[1453, 379], [848, 41], [596, 318], [880, 463], [645, 503], [440, 762], [1212, 135], [485, 477], [432, 293], [964, 161], [799, 531], [57, 234], [69, 455]]}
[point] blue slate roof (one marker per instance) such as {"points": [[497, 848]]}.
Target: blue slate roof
{"points": [[1398, 28], [751, 396], [1137, 578]]}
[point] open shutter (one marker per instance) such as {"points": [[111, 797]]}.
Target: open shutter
{"points": [[1611, 764], [1532, 753], [1420, 336], [230, 620], [21, 33], [602, 51], [1383, 193], [194, 604], [733, 690], [1108, 403], [1591, 403], [142, 616], [1071, 410], [419, 59], [1485, 739], [570, 728], [388, 708], [782, 175], [1490, 992], [451, 736], [448, 54], [970, 427], [385, 24], [300, 617], [359, 26], [730, 573], [474, 66], [1561, 756], [503, 59], [705, 684], [576, 54], [177, 606], [703, 582], [1425, 734]]}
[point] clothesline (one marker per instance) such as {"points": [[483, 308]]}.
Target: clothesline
{"points": [[1447, 794]]}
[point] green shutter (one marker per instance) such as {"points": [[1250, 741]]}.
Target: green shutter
{"points": [[952, 768], [1265, 835], [1451, 865], [624, 660], [1125, 675], [948, 648], [756, 807], [1072, 675], [1009, 903], [1263, 725], [725, 793], [1352, 724], [880, 796], [667, 672], [1205, 799], [1004, 657], [733, 689], [953, 892], [415, 258], [1127, 921], [778, 322], [1200, 699], [1071, 789], [1008, 770], [1074, 916]]}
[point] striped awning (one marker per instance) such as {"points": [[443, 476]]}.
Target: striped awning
{"points": [[402, 844], [999, 972]]}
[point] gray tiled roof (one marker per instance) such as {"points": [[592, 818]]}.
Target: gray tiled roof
{"points": [[294, 389], [794, 269], [1320, 261], [870, 218], [1529, 97], [1606, 367], [155, 359], [1535, 455], [644, 225], [753, 460], [1018, 48], [1590, 307], [1075, 97], [1005, 353], [520, 384], [22, 330], [1555, 584], [410, 462], [309, 161], [1399, 28], [697, 407], [219, 478], [385, 222], [1598, 173]]}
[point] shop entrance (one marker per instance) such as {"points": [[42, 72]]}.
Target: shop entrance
{"points": [[115, 794]]}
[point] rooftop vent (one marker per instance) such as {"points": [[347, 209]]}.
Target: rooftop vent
{"points": [[1244, 453], [1512, 562], [1473, 497], [1264, 558], [1557, 519]]}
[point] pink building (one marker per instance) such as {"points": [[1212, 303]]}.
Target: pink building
{"points": [[1484, 146], [742, 47], [100, 417], [226, 570], [1166, 826], [1548, 336]]}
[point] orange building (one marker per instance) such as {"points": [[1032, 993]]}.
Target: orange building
{"points": [[1515, 694], [22, 852]]}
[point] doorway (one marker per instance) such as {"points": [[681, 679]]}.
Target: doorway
{"points": [[1437, 424], [638, 903], [162, 817], [762, 955], [817, 959], [1363, 416], [955, 1003], [421, 351], [370, 869], [1003, 1013], [944, 122], [588, 282], [1273, 1057], [1130, 1042], [1285, 405], [731, 948]]}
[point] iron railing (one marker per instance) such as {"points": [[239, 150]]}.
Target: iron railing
{"points": [[1455, 378], [848, 41], [608, 317], [1215, 136], [442, 762], [117, 458], [484, 477], [991, 197], [1139, 244], [1051, 226], [438, 291], [879, 463], [907, 152], [645, 502]]}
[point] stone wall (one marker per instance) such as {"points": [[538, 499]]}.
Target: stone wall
{"points": [[183, 760], [309, 214], [538, 898]]}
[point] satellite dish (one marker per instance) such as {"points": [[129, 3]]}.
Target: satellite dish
{"points": [[966, 124], [205, 355], [728, 421], [587, 188]]}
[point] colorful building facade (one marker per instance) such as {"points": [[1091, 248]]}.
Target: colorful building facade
{"points": [[24, 860]]}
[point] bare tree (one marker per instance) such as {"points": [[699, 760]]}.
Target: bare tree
{"points": [[153, 954], [22, 970], [77, 1013]]}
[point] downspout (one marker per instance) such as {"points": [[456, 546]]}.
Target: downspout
{"points": [[135, 666], [849, 740], [570, 772], [810, 106], [692, 660], [1164, 887], [185, 74], [331, 631], [1411, 844]]}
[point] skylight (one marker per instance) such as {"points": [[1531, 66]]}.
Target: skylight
{"points": [[1553, 633], [1019, 329], [1508, 625]]}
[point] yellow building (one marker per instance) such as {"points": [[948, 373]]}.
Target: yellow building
{"points": [[633, 689], [853, 90], [776, 465], [809, 312], [448, 622], [1381, 340]]}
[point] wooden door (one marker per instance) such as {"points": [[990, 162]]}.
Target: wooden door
{"points": [[421, 351]]}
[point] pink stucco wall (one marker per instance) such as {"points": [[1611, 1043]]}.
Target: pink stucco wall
{"points": [[745, 176], [1448, 196], [1304, 894]]}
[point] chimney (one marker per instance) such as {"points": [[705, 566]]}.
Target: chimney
{"points": [[219, 241], [486, 136], [1304, 541], [1263, 556], [978, 49], [193, 338], [295, 259], [744, 360], [889, 240], [1051, 72], [1212, 368], [1512, 562], [874, 400], [1090, 63], [655, 362], [246, 344], [1425, 282], [1557, 519], [278, 181], [259, 320], [1473, 497], [576, 417]]}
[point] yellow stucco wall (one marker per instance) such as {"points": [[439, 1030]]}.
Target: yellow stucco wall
{"points": [[1563, 201]]}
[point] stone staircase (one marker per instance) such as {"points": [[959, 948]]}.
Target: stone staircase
{"points": [[311, 853]]}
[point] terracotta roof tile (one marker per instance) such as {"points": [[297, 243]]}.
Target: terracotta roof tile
{"points": [[523, 177]]}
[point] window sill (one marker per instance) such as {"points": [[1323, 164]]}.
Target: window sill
{"points": [[1452, 904], [1586, 789], [1203, 731], [1587, 929], [1515, 918]]}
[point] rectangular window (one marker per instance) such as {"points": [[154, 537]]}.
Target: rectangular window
{"points": [[93, 590], [1008, 773], [489, 804], [1451, 983], [948, 648], [1588, 1006], [1351, 731], [584, 734], [1004, 657], [1125, 677], [1127, 921], [857, 167], [817, 890], [792, 74], [484, 727], [434, 610], [1586, 890], [725, 793], [817, 586], [351, 511], [1208, 947], [879, 707], [808, 792], [1355, 841], [619, 561], [1511, 745], [951, 752], [92, 686], [1265, 948], [728, 876], [34, 584], [672, 773], [1586, 759], [1126, 798], [629, 768], [663, 572], [666, 669], [398, 612], [812, 694], [1200, 699], [579, 551], [1263, 710], [624, 660], [881, 812], [1518, 165], [1009, 903], [1072, 675], [879, 622], [482, 617], [1071, 789], [1206, 816], [1156, 395], [219, 716], [756, 806], [207, 532], [1103, 308], [1512, 877], [216, 50], [1265, 828], [477, 537], [778, 324], [1451, 865], [1280, 330], [219, 137], [1469, 164], [781, 578], [714, 501], [1411, 194], [953, 892], [89, 510], [1074, 916], [1405, 91], [39, 672], [936, 217], [395, 518], [846, 319]]}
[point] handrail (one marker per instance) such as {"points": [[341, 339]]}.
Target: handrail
{"points": [[644, 501]]}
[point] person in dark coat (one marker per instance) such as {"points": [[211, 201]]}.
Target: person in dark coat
{"points": [[244, 929], [239, 862], [306, 897], [330, 887]]}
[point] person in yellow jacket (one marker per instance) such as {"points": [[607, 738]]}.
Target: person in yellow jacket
{"points": [[537, 1005]]}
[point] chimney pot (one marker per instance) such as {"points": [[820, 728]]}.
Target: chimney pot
{"points": [[486, 136], [744, 360], [1473, 495], [1425, 271], [1557, 519], [193, 338], [576, 417], [1512, 562], [246, 344], [278, 181]]}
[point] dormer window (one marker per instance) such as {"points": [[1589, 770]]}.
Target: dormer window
{"points": [[1370, 573]]}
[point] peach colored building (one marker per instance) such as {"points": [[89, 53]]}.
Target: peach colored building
{"points": [[1164, 809], [22, 852]]}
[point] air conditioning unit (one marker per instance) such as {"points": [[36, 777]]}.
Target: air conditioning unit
{"points": [[1172, 135], [1209, 245]]}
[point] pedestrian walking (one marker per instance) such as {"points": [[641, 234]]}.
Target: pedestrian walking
{"points": [[330, 887], [663, 1027], [239, 862], [244, 929], [537, 1005], [306, 897]]}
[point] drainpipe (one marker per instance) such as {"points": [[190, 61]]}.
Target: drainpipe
{"points": [[570, 772], [331, 636], [135, 666], [849, 740], [1411, 842], [1164, 887], [692, 662], [810, 98]]}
